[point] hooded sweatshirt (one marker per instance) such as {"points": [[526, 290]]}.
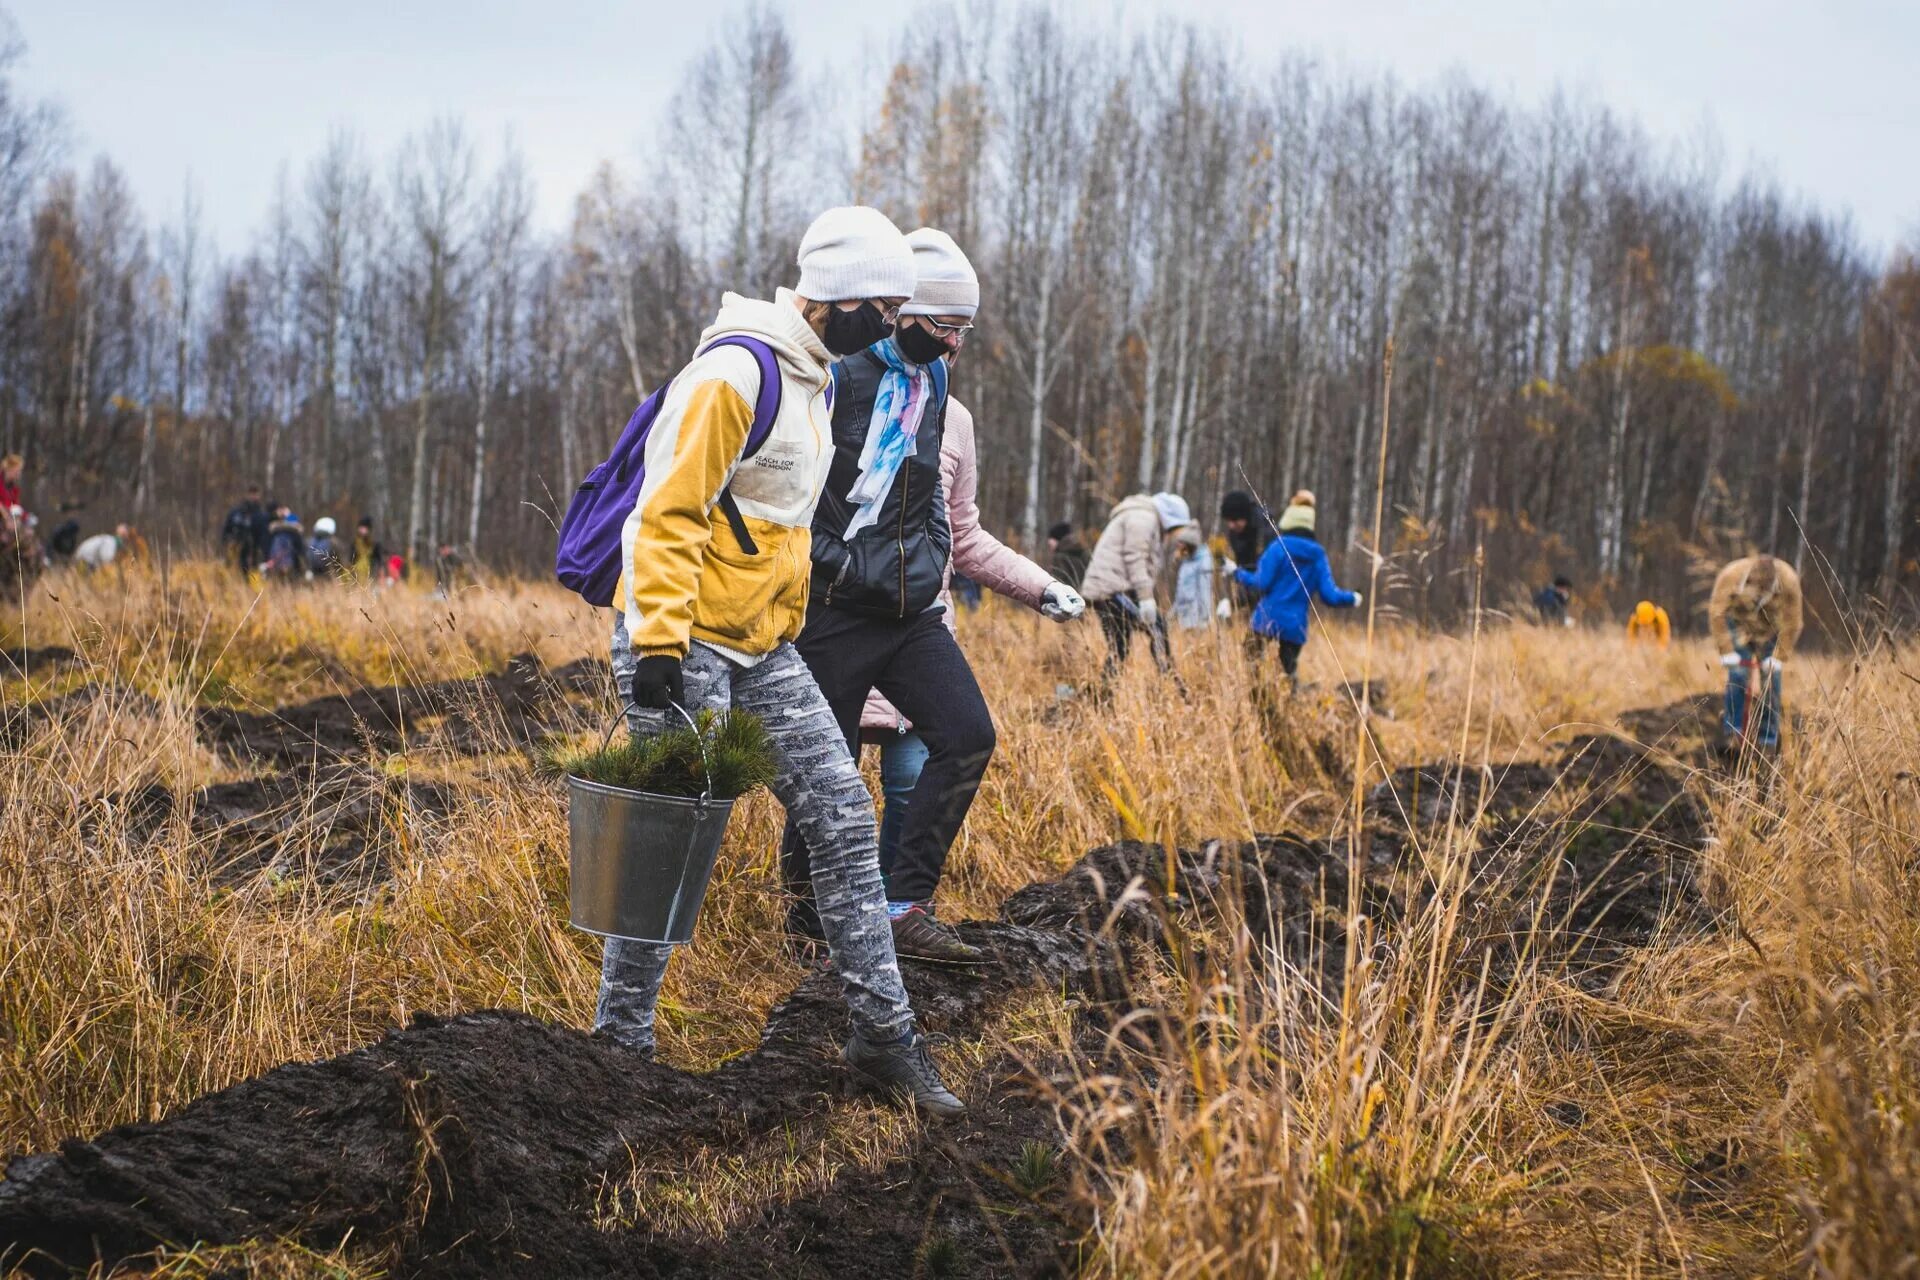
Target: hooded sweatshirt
{"points": [[679, 581], [1292, 570], [1127, 557]]}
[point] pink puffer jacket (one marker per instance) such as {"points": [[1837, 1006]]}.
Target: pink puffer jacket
{"points": [[976, 553]]}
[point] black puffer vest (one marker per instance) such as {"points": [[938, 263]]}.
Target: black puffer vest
{"points": [[895, 567]]}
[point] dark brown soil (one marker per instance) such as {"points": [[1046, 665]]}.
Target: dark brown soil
{"points": [[479, 1145], [333, 824], [29, 662], [468, 717], [1678, 726], [476, 1143], [19, 721]]}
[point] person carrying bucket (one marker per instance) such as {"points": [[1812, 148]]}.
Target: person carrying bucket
{"points": [[707, 610], [1756, 606], [882, 617]]}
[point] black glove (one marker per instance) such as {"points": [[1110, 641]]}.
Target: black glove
{"points": [[656, 682]]}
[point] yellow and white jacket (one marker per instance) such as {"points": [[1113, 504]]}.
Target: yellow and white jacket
{"points": [[683, 575]]}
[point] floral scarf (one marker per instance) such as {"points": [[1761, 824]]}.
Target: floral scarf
{"points": [[898, 405]]}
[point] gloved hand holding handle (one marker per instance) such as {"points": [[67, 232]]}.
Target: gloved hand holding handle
{"points": [[1150, 612], [657, 683]]}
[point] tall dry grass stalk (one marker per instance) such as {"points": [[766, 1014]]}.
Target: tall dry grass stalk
{"points": [[1437, 1116]]}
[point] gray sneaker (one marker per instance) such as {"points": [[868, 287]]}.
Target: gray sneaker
{"points": [[904, 1070], [918, 936]]}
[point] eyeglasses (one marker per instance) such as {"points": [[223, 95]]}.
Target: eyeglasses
{"points": [[948, 330], [888, 308]]}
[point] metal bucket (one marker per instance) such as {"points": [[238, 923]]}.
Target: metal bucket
{"points": [[640, 862]]}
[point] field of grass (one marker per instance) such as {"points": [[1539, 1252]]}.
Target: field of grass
{"points": [[1438, 1077]]}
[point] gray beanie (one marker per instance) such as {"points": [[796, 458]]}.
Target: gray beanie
{"points": [[946, 284], [1172, 509], [854, 252]]}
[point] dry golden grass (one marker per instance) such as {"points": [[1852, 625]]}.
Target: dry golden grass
{"points": [[1411, 1131]]}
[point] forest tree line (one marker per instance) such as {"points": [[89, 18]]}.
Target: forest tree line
{"points": [[1611, 358]]}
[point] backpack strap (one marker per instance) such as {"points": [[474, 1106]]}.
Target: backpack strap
{"points": [[766, 412]]}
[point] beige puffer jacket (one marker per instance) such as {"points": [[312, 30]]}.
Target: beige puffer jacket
{"points": [[1759, 598], [1127, 557]]}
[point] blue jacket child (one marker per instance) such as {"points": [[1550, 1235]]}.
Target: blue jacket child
{"points": [[1293, 567]]}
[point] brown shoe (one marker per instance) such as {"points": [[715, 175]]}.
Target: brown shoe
{"points": [[918, 936]]}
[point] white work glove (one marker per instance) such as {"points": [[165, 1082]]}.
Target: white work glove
{"points": [[1223, 610], [1771, 664], [1150, 612], [1359, 598], [1227, 563], [1729, 659], [1061, 602]]}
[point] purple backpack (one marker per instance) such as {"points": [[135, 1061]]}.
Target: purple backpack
{"points": [[588, 560]]}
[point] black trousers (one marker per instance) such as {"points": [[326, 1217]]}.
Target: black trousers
{"points": [[1118, 623], [1289, 651], [919, 667]]}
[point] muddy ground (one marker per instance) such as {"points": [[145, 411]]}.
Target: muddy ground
{"points": [[333, 824], [482, 1145], [463, 717]]}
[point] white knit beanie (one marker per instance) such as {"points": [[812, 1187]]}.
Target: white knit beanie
{"points": [[947, 285], [854, 252], [1172, 509]]}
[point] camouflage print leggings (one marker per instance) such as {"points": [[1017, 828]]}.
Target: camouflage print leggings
{"points": [[821, 787]]}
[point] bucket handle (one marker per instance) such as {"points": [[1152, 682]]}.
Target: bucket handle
{"points": [[699, 738]]}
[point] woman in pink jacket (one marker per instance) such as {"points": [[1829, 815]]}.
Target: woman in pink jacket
{"points": [[989, 562]]}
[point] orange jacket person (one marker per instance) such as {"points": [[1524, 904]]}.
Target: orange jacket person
{"points": [[1649, 623]]}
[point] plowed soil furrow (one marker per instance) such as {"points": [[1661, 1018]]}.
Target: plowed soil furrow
{"points": [[480, 1144], [465, 717]]}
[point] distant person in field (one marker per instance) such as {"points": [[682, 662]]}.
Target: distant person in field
{"points": [[1192, 580], [103, 549], [1070, 555], [447, 566], [286, 545], [706, 621], [1649, 624], [1123, 576], [243, 533], [1756, 609], [13, 502], [1292, 573], [1248, 530], [894, 543], [1551, 601], [366, 556], [323, 553], [64, 541], [19, 549]]}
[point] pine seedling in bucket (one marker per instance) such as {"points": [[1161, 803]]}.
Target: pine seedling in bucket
{"points": [[645, 820]]}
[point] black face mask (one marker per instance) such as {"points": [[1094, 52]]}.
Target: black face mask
{"points": [[917, 345], [849, 331]]}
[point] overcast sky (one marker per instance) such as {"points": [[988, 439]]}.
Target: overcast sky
{"points": [[1824, 96]]}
